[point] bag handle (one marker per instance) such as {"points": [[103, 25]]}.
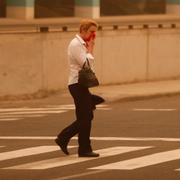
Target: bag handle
{"points": [[87, 63]]}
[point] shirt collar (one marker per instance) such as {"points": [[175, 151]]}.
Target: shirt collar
{"points": [[80, 39]]}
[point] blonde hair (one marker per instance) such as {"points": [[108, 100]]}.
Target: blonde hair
{"points": [[85, 24]]}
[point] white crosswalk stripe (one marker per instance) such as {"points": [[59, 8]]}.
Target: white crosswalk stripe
{"points": [[154, 110], [95, 138], [62, 161], [14, 114], [31, 109], [10, 119], [27, 152], [144, 161], [17, 117], [21, 115], [35, 112]]}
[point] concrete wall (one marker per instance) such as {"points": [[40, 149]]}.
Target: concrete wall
{"points": [[30, 62]]}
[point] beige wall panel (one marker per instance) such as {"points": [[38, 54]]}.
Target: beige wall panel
{"points": [[164, 54], [124, 56], [20, 64]]}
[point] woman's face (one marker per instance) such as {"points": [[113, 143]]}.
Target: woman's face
{"points": [[90, 33]]}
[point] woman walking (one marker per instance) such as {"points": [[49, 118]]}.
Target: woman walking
{"points": [[80, 50]]}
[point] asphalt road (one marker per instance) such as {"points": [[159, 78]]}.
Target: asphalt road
{"points": [[137, 140]]}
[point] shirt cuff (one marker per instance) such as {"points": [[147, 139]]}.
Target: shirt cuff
{"points": [[89, 56]]}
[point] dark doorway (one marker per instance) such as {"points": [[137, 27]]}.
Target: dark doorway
{"points": [[55, 8], [2, 8], [132, 7]]}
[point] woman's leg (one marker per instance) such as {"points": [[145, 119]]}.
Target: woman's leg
{"points": [[84, 114], [68, 132]]}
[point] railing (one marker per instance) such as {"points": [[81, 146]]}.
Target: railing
{"points": [[105, 23]]}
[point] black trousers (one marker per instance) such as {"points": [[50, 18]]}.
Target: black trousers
{"points": [[84, 105]]}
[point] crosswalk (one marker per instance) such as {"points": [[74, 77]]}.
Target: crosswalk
{"points": [[140, 160], [142, 156], [15, 114], [72, 159]]}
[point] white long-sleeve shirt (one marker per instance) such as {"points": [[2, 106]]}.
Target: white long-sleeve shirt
{"points": [[77, 55]]}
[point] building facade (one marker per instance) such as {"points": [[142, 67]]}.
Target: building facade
{"points": [[28, 9]]}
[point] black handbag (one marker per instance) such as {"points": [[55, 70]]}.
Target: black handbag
{"points": [[87, 77], [96, 99]]}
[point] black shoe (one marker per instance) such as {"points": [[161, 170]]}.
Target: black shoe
{"points": [[62, 145], [89, 154]]}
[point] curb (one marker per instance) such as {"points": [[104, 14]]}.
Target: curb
{"points": [[66, 98], [141, 97]]}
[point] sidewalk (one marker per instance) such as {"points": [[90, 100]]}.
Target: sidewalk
{"points": [[111, 93], [139, 90]]}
